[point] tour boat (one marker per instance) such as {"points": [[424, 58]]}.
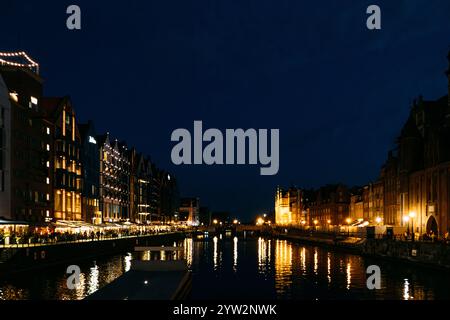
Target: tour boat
{"points": [[167, 278]]}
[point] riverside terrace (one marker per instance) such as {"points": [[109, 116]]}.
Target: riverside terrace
{"points": [[19, 233]]}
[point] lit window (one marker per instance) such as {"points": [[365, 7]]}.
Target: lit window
{"points": [[47, 180], [33, 102], [47, 213], [48, 147], [48, 197], [48, 164], [48, 130]]}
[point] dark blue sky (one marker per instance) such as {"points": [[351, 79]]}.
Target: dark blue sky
{"points": [[338, 92]]}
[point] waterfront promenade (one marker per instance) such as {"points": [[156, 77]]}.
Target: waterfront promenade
{"points": [[83, 240]]}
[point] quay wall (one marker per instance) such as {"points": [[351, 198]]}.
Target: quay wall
{"points": [[23, 259], [426, 254]]}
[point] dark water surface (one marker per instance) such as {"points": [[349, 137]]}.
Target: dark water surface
{"points": [[249, 269]]}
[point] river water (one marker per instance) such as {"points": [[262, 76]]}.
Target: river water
{"points": [[231, 268]]}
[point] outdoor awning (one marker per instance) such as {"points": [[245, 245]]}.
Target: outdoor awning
{"points": [[13, 223]]}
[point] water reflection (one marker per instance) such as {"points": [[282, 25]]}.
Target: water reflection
{"points": [[188, 251], [329, 267], [349, 275], [93, 280], [127, 261], [281, 270], [406, 290], [264, 255], [215, 254], [283, 266], [235, 253], [316, 261], [303, 260]]}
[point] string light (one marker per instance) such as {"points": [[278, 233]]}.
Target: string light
{"points": [[31, 63]]}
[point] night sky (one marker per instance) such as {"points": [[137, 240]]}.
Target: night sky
{"points": [[338, 92]]}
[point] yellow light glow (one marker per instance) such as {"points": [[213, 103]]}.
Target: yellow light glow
{"points": [[406, 218], [378, 219], [316, 222], [215, 221], [412, 214], [348, 220]]}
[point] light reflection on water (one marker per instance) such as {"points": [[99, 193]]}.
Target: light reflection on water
{"points": [[239, 269]]}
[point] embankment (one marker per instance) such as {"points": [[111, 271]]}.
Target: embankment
{"points": [[425, 254], [21, 259]]}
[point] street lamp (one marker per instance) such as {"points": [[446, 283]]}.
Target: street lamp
{"points": [[412, 215], [378, 220], [215, 221], [328, 224], [406, 220], [348, 220], [315, 224]]}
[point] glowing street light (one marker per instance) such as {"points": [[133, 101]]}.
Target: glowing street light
{"points": [[378, 220], [215, 221], [348, 220], [235, 221], [412, 215], [303, 222]]}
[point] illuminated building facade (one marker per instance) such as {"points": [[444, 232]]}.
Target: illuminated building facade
{"points": [[114, 179], [67, 175], [330, 206], [25, 142], [90, 160], [416, 174], [289, 207], [356, 211], [373, 201], [142, 193]]}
